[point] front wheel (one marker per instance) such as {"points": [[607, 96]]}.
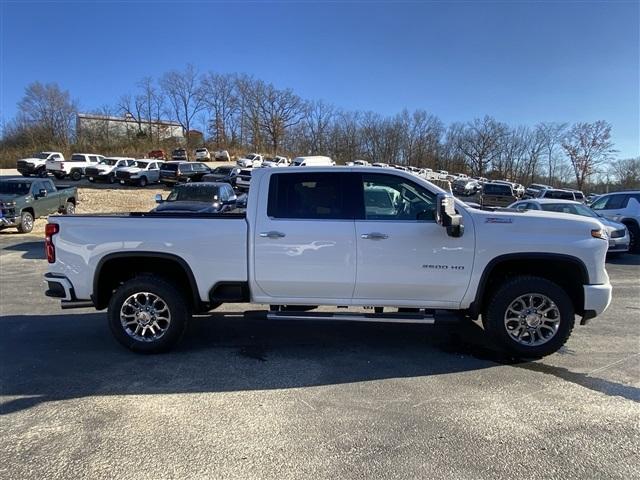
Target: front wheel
{"points": [[634, 238], [111, 178], [142, 182], [42, 173], [529, 317], [148, 314], [26, 222]]}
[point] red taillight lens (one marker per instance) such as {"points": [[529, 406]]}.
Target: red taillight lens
{"points": [[49, 231]]}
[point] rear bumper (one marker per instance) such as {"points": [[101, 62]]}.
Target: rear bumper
{"points": [[596, 300], [59, 286]]}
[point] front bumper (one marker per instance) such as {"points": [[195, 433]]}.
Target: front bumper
{"points": [[28, 168], [620, 244], [597, 299]]}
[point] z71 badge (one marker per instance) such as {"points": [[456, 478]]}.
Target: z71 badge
{"points": [[498, 220]]}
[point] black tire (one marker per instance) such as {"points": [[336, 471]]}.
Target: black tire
{"points": [[76, 175], [634, 237], [494, 323], [26, 222], [111, 178], [170, 295], [25, 174], [142, 182], [69, 208], [42, 172], [59, 176]]}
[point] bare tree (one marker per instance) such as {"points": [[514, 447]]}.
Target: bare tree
{"points": [[220, 97], [627, 172], [279, 110], [131, 108], [552, 134], [48, 109], [480, 142], [318, 117], [588, 145], [184, 95]]}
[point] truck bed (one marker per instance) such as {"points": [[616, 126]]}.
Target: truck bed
{"points": [[214, 246]]}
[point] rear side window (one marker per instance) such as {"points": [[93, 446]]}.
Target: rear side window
{"points": [[309, 195], [497, 189], [77, 158], [184, 168], [169, 167], [616, 201], [559, 194]]}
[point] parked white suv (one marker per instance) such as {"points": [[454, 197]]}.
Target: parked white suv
{"points": [[74, 167], [623, 207], [203, 154], [105, 169]]}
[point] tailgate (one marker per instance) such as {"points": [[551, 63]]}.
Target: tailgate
{"points": [[54, 165]]}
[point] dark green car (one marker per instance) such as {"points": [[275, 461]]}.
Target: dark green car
{"points": [[23, 200]]}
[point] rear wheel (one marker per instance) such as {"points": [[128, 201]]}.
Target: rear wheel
{"points": [[148, 314], [69, 208], [59, 175], [76, 175], [529, 317], [26, 222]]}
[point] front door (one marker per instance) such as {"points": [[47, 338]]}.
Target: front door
{"points": [[304, 239], [404, 256]]}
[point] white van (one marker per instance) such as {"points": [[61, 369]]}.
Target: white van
{"points": [[317, 161]]}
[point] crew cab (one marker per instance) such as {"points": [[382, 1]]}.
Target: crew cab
{"points": [[22, 201], [351, 237], [75, 167], [250, 160], [496, 194], [37, 164], [143, 172], [105, 170]]}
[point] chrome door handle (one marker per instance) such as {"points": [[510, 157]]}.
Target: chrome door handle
{"points": [[374, 236], [272, 234]]}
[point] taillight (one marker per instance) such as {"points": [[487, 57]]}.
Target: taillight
{"points": [[49, 231]]}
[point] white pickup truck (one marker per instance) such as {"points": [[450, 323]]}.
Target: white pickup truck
{"points": [[74, 167], [353, 237], [37, 164]]}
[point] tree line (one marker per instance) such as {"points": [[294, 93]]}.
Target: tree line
{"points": [[239, 112]]}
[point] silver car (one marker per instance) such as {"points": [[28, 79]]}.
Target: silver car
{"points": [[617, 232]]}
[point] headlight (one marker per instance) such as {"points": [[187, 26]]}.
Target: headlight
{"points": [[601, 234], [619, 233], [8, 204]]}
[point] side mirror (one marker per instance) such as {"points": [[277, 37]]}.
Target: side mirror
{"points": [[159, 198], [42, 193], [447, 217], [232, 199]]}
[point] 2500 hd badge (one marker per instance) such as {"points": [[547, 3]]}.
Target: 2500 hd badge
{"points": [[443, 267]]}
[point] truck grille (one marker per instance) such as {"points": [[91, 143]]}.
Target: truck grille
{"points": [[91, 171], [123, 175]]}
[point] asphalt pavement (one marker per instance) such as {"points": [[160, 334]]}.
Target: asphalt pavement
{"points": [[249, 398]]}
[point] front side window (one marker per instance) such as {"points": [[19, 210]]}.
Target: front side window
{"points": [[309, 196], [48, 186], [388, 197]]}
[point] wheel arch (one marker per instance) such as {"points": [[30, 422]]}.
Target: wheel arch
{"points": [[114, 268], [567, 271]]}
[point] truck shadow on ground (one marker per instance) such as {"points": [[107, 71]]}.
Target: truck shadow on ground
{"points": [[57, 357], [31, 250]]}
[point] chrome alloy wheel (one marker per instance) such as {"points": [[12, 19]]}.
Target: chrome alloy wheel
{"points": [[27, 223], [532, 319], [145, 316]]}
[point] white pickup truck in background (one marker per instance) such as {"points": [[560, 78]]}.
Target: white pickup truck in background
{"points": [[37, 164], [343, 237], [74, 167]]}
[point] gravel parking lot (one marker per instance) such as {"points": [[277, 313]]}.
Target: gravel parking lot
{"points": [[247, 398]]}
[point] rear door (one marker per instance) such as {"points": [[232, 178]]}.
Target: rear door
{"points": [[404, 256], [304, 238]]}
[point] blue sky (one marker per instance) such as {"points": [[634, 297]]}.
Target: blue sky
{"points": [[521, 62]]}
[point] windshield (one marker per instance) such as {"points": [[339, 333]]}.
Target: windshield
{"points": [[572, 208], [15, 188], [223, 170], [108, 161], [199, 193], [251, 156], [141, 164], [41, 155]]}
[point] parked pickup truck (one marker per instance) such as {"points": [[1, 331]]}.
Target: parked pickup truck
{"points": [[37, 164], [74, 167], [22, 201], [345, 236]]}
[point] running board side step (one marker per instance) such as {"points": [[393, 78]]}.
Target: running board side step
{"points": [[417, 318]]}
